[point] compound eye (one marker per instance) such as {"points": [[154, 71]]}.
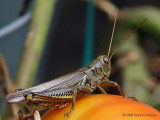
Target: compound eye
{"points": [[105, 60]]}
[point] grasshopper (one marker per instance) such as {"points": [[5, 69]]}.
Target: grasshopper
{"points": [[60, 92]]}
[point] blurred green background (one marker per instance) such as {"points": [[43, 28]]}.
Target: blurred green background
{"points": [[42, 40]]}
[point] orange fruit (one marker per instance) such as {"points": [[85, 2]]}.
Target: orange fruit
{"points": [[105, 107]]}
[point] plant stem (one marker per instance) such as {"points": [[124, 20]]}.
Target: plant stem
{"points": [[35, 42]]}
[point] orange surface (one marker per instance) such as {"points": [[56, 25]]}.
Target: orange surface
{"points": [[105, 107]]}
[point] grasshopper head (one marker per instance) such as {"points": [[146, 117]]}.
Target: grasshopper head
{"points": [[105, 64]]}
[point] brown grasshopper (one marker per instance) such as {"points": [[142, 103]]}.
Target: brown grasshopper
{"points": [[59, 92]]}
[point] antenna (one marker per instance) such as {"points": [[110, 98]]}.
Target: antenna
{"points": [[126, 38], [110, 44]]}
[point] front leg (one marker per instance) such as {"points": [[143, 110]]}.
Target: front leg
{"points": [[107, 82], [101, 89]]}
